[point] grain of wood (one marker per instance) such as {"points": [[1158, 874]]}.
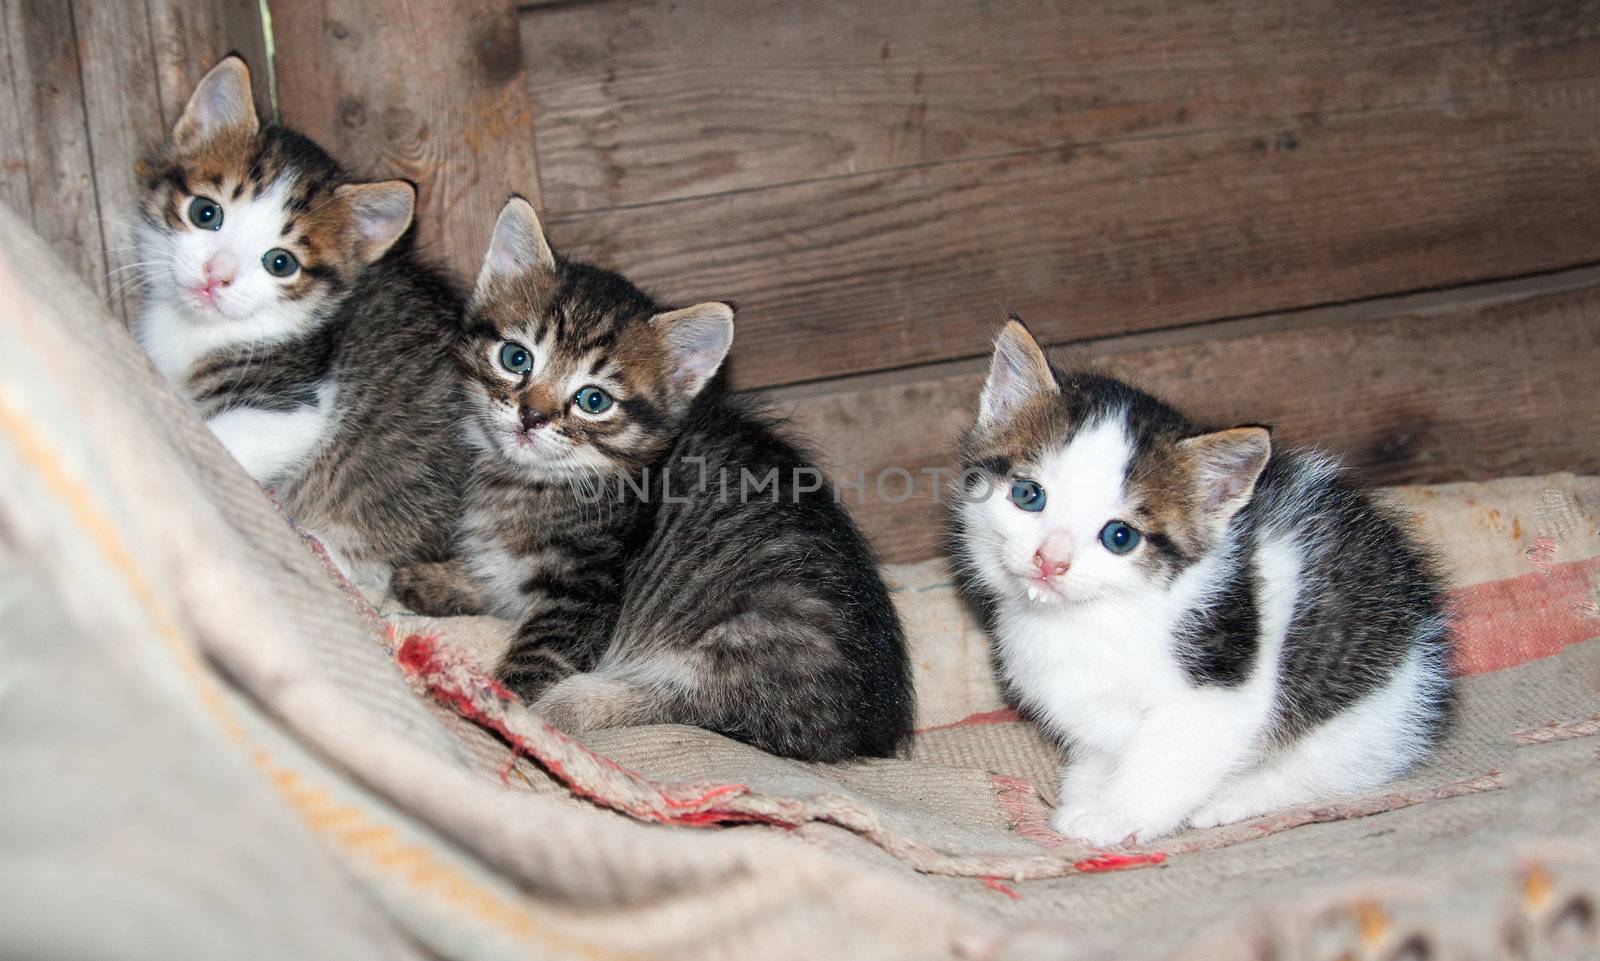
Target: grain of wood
{"points": [[904, 267], [1465, 391], [122, 101], [644, 102], [47, 93], [432, 90], [14, 190], [188, 37]]}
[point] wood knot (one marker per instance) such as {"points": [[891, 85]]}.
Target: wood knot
{"points": [[352, 112]]}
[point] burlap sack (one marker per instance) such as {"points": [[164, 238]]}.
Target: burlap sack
{"points": [[203, 743]]}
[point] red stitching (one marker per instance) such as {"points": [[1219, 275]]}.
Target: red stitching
{"points": [[994, 884], [1101, 863], [420, 656]]}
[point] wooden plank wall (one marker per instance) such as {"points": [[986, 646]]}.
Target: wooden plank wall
{"points": [[1375, 224], [430, 90], [1178, 189], [1461, 385], [869, 180], [85, 87]]}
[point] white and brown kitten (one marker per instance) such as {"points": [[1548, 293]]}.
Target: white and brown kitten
{"points": [[669, 556], [1215, 628], [282, 298]]}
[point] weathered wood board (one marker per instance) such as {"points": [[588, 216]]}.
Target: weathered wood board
{"points": [[47, 164], [644, 102], [1101, 168], [1490, 383], [1171, 188], [433, 91]]}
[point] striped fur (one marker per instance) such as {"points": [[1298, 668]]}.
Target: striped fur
{"points": [[1274, 637], [330, 385], [644, 595]]}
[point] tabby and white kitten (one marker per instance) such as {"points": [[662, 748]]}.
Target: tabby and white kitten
{"points": [[1216, 629], [282, 298], [669, 596]]}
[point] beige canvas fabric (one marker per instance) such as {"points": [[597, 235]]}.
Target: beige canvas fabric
{"points": [[201, 734]]}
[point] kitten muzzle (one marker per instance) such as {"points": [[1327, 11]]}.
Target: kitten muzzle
{"points": [[532, 418], [216, 275], [1047, 567], [1041, 583]]}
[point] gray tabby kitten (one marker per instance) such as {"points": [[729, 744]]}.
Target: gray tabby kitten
{"points": [[605, 514], [283, 299], [1216, 628]]}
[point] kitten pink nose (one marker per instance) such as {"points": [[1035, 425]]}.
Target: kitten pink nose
{"points": [[1049, 566], [532, 419], [219, 271]]}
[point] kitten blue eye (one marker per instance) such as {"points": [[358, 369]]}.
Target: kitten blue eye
{"points": [[1027, 495], [592, 400], [1119, 538], [205, 213], [515, 358], [279, 262]]}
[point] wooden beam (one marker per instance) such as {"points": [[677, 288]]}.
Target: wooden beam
{"points": [[1465, 385], [900, 268], [190, 36], [432, 90], [14, 175], [51, 152], [122, 101], [640, 103], [1101, 167]]}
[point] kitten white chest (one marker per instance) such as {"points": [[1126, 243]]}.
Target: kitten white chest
{"points": [[499, 572], [173, 341], [1091, 673], [271, 445], [176, 340]]}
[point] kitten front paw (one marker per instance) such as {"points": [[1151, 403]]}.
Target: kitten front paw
{"points": [[437, 589], [560, 711], [409, 587], [1224, 810], [588, 702], [1097, 826]]}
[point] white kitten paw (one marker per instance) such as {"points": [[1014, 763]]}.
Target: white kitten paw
{"points": [[1067, 814], [1223, 810], [588, 702], [560, 710], [1098, 827]]}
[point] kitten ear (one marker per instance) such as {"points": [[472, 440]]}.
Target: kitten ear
{"points": [[222, 101], [1227, 465], [381, 212], [697, 339], [517, 248], [1018, 373]]}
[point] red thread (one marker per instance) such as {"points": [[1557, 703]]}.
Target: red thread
{"points": [[1101, 863], [719, 816], [420, 656], [1025, 810], [418, 653], [1543, 554], [994, 884], [1003, 716]]}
